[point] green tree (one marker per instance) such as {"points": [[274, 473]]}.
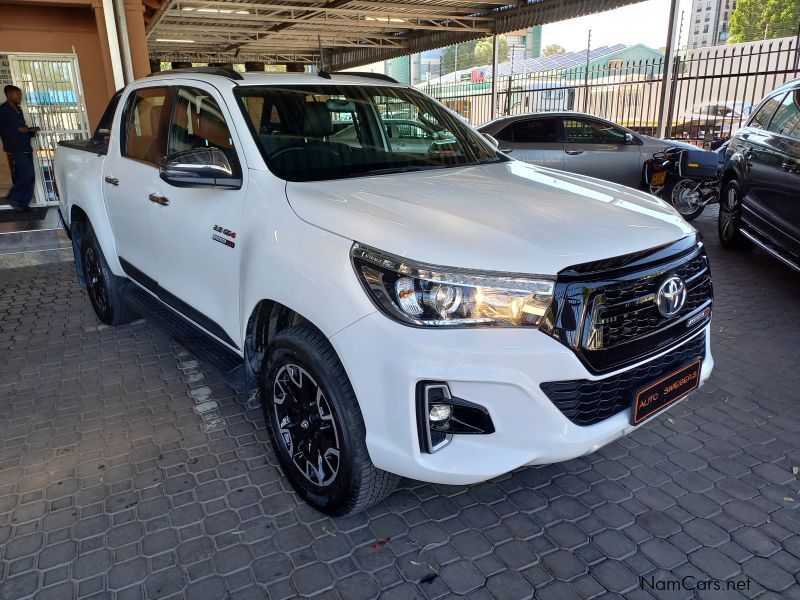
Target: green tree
{"points": [[458, 57], [553, 49], [757, 20], [483, 51]]}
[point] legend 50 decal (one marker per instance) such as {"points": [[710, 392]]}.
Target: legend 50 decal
{"points": [[223, 240]]}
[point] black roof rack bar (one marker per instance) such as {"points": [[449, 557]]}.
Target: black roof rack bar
{"points": [[380, 76], [221, 71]]}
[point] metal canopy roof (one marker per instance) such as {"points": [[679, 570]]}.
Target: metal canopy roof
{"points": [[350, 32]]}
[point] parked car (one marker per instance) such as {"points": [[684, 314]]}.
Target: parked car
{"points": [[403, 135], [709, 120], [448, 316], [760, 202], [578, 143]]}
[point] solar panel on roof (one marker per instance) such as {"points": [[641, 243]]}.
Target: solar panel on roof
{"points": [[538, 64]]}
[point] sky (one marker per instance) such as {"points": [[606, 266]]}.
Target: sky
{"points": [[645, 23]]}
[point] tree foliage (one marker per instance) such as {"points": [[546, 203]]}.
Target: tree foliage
{"points": [[458, 57], [758, 19], [553, 49], [472, 54], [483, 51]]}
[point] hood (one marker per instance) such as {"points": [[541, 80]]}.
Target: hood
{"points": [[510, 216], [659, 144]]}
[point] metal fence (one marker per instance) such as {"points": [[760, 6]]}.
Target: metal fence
{"points": [[713, 90]]}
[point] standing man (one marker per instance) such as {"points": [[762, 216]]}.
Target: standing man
{"points": [[16, 136]]}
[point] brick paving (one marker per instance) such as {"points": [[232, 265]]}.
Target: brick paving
{"points": [[112, 485]]}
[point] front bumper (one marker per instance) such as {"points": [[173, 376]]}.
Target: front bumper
{"points": [[500, 369]]}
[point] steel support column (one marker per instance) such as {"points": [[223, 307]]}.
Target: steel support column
{"points": [[667, 70], [495, 76]]}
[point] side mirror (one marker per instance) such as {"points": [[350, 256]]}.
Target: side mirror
{"points": [[199, 167], [495, 144], [630, 139]]}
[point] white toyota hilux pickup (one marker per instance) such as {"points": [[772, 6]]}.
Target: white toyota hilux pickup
{"points": [[403, 299]]}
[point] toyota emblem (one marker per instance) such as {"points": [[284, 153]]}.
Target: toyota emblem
{"points": [[671, 296]]}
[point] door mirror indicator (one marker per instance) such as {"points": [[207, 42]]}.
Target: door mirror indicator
{"points": [[199, 167]]}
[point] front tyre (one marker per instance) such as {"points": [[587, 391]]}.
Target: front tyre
{"points": [[316, 425], [729, 222], [104, 288]]}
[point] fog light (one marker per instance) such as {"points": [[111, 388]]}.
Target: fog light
{"points": [[440, 412], [440, 416]]}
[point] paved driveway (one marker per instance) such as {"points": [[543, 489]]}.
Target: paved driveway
{"points": [[114, 484]]}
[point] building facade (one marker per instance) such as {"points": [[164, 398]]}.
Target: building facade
{"points": [[65, 56], [709, 22]]}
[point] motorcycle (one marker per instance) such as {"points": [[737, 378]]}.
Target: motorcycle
{"points": [[687, 179]]}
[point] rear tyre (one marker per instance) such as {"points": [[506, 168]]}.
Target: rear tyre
{"points": [[316, 426], [729, 222], [680, 193], [104, 288]]}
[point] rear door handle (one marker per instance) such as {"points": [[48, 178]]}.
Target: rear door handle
{"points": [[574, 152], [159, 199], [112, 180]]}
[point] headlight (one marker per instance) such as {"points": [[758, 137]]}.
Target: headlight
{"points": [[431, 296]]}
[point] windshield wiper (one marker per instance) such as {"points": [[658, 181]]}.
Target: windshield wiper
{"points": [[392, 170]]}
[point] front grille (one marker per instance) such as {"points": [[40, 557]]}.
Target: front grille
{"points": [[585, 402], [628, 310], [610, 318]]}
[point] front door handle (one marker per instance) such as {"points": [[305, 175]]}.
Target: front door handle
{"points": [[112, 180], [574, 152], [159, 199]]}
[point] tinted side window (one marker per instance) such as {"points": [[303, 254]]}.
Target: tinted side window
{"points": [[763, 115], [144, 134], [107, 120], [197, 122], [584, 131], [534, 131], [407, 130], [787, 117]]}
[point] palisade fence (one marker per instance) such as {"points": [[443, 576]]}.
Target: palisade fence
{"points": [[714, 90]]}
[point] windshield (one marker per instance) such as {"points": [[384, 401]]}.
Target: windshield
{"points": [[315, 132]]}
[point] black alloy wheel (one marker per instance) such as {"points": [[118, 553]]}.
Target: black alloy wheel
{"points": [[106, 290], [307, 427], [95, 282], [316, 426], [729, 221]]}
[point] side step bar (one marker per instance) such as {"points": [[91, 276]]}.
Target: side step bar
{"points": [[781, 255], [194, 339]]}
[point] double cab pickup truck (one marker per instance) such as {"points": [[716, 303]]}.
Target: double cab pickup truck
{"points": [[404, 299]]}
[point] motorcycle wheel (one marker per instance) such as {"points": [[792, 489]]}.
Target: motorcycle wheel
{"points": [[681, 194]]}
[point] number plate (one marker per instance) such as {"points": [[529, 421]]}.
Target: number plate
{"points": [[657, 179], [657, 396]]}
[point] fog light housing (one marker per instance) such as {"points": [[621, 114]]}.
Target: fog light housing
{"points": [[440, 415]]}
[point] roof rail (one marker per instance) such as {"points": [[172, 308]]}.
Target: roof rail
{"points": [[221, 71], [380, 76]]}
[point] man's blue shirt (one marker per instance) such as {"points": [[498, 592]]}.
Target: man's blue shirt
{"points": [[10, 120]]}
